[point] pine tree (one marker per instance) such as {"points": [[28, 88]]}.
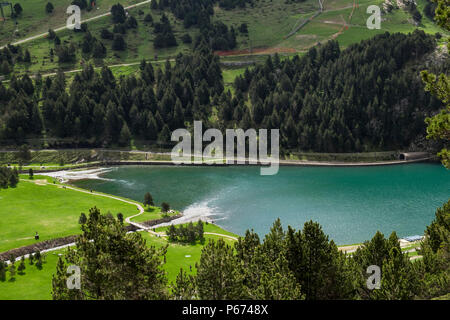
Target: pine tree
{"points": [[217, 277], [118, 43], [21, 266], [120, 217], [154, 5], [82, 219], [3, 267], [14, 178], [100, 253], [49, 7], [398, 281], [184, 287], [125, 135], [164, 135], [118, 13], [12, 270], [148, 200], [165, 207]]}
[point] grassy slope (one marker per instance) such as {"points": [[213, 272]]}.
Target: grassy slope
{"points": [[34, 20], [139, 44], [337, 13], [151, 213], [269, 21], [36, 284], [23, 212], [48, 209]]}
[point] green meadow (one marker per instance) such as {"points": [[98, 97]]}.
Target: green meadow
{"points": [[51, 210], [36, 283], [152, 213]]}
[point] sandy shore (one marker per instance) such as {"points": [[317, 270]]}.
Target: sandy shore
{"points": [[64, 176]]}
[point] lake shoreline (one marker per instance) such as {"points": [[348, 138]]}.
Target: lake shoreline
{"points": [[334, 196], [282, 163]]}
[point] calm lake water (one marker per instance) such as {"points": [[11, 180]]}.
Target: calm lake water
{"points": [[350, 203]]}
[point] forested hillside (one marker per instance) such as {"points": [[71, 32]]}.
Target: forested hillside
{"points": [[367, 97]]}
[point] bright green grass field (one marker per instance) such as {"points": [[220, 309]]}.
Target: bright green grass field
{"points": [[230, 74], [48, 209], [206, 228], [36, 284], [151, 213]]}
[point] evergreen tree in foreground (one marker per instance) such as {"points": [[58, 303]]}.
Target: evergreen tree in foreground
{"points": [[113, 264]]}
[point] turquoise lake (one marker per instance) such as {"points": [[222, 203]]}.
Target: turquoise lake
{"points": [[351, 203]]}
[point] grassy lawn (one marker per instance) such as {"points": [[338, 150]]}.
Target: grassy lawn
{"points": [[183, 255], [152, 213], [36, 284], [49, 209], [268, 21], [230, 74], [206, 228]]}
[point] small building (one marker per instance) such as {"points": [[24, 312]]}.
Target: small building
{"points": [[413, 238]]}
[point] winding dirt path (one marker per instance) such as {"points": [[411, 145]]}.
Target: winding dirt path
{"points": [[221, 235], [127, 219]]}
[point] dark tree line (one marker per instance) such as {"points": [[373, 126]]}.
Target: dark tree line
{"points": [[10, 55], [20, 115], [8, 177], [367, 97], [285, 265], [101, 109]]}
